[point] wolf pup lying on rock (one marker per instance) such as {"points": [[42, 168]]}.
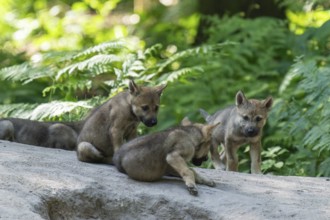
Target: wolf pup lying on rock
{"points": [[240, 124], [116, 121], [46, 134], [150, 157]]}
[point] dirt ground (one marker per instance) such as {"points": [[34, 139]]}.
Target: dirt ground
{"points": [[41, 183]]}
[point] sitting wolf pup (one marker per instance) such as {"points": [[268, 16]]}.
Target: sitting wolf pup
{"points": [[116, 121], [46, 134], [240, 124], [150, 157]]}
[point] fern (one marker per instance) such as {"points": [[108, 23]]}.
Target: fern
{"points": [[104, 48], [175, 75], [97, 64], [206, 49], [22, 73], [153, 51], [132, 66], [108, 65], [16, 110], [307, 110], [55, 109], [44, 111]]}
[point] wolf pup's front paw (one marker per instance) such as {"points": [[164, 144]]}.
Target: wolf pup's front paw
{"points": [[192, 190], [210, 183]]}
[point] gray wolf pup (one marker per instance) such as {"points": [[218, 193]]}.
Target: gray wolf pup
{"points": [[240, 124], [116, 121], [46, 134], [149, 157]]}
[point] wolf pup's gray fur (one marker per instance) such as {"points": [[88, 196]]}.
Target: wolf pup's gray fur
{"points": [[116, 121], [46, 134], [240, 124], [152, 156]]}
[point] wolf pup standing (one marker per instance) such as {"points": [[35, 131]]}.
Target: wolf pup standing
{"points": [[46, 134], [109, 125], [240, 124], [150, 157]]}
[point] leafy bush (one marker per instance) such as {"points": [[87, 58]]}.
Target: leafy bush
{"points": [[94, 73], [300, 117], [307, 117]]}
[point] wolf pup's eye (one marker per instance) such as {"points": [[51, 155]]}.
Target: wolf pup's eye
{"points": [[258, 118], [156, 108], [145, 108], [245, 117]]}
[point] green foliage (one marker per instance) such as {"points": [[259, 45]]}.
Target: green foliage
{"points": [[272, 161], [56, 110], [303, 5], [96, 72], [179, 22], [306, 112], [300, 117], [57, 25]]}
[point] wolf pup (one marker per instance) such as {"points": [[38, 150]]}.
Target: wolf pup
{"points": [[240, 124], [46, 134], [149, 157], [116, 121]]}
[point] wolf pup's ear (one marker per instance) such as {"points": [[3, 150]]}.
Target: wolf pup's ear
{"points": [[240, 98], [185, 121], [133, 88], [267, 103], [208, 129], [159, 89]]}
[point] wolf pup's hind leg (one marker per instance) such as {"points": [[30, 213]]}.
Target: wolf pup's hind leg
{"points": [[86, 152], [203, 180], [179, 164]]}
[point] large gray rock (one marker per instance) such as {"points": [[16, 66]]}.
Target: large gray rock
{"points": [[41, 183]]}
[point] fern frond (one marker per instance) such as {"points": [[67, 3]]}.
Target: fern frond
{"points": [[68, 85], [289, 77], [132, 66], [102, 48], [52, 57], [193, 52], [100, 63], [56, 109], [325, 167], [42, 111], [153, 51], [172, 76], [25, 73], [16, 110]]}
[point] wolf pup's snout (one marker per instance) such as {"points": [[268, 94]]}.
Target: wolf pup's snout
{"points": [[199, 161], [150, 122], [251, 132]]}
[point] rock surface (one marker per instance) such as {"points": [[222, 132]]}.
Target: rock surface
{"points": [[40, 183]]}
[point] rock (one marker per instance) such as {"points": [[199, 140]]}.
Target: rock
{"points": [[41, 183]]}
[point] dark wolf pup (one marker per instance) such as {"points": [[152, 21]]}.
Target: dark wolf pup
{"points": [[116, 121], [46, 134], [150, 157], [240, 124]]}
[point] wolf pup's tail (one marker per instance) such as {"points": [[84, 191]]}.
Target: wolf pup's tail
{"points": [[204, 114]]}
